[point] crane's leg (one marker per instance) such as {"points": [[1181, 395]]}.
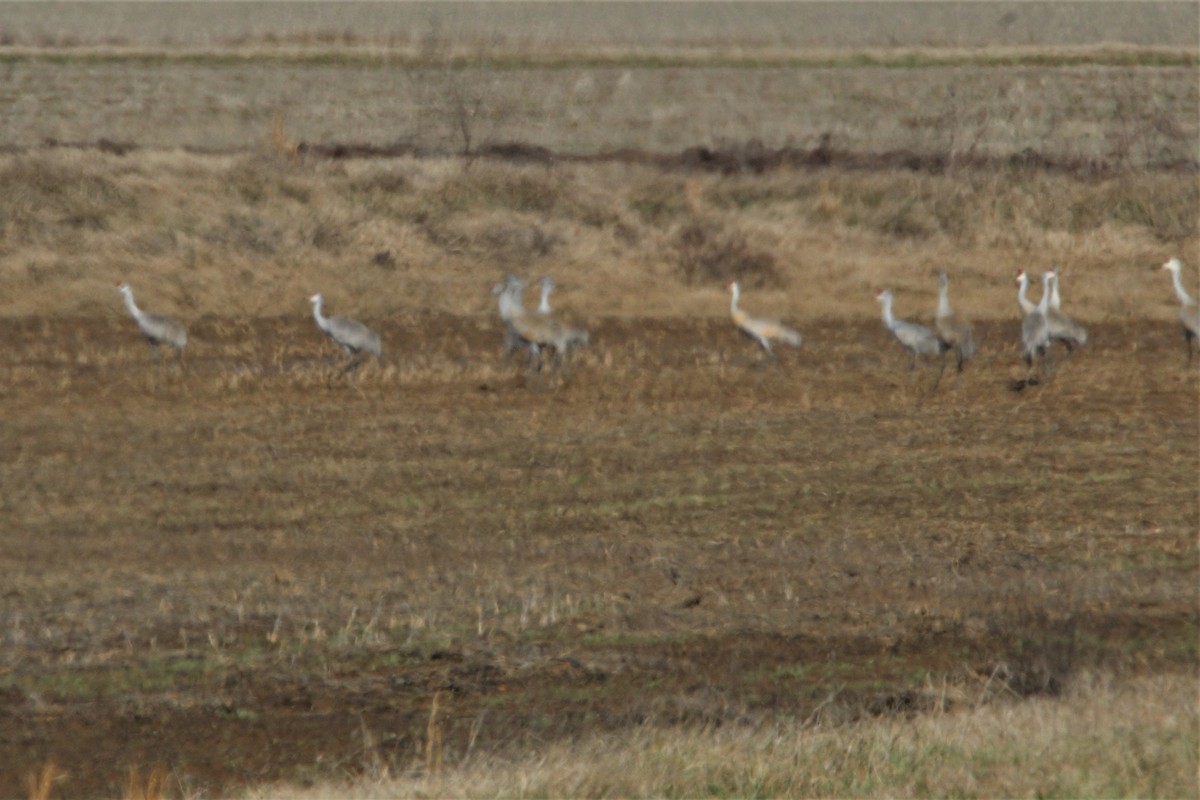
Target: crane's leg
{"points": [[941, 371], [535, 358], [352, 365], [766, 346], [1030, 378]]}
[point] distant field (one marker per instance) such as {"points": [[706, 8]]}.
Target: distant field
{"points": [[1072, 81], [654, 26]]}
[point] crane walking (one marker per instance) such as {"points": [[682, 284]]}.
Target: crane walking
{"points": [[157, 329], [916, 339], [763, 331], [351, 335], [1189, 312], [956, 333]]}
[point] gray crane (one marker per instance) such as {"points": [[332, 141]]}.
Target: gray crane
{"points": [[1035, 331], [1189, 312], [955, 332], [157, 329], [763, 331], [916, 339], [351, 335], [1062, 328]]}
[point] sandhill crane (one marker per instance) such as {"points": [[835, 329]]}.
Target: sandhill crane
{"points": [[954, 332], [535, 330], [762, 331], [548, 285], [1062, 328], [916, 339], [157, 329], [1035, 331], [351, 335], [1189, 312]]}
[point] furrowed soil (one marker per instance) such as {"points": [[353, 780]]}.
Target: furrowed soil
{"points": [[245, 568]]}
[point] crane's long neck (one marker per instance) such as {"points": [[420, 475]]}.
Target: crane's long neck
{"points": [[1180, 292], [322, 321], [1023, 294], [544, 305], [132, 306], [733, 301], [1044, 303], [888, 319], [510, 304], [943, 309], [1055, 297]]}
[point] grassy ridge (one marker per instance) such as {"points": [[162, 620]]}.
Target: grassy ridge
{"points": [[231, 235]]}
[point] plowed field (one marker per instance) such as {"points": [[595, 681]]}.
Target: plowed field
{"points": [[238, 570]]}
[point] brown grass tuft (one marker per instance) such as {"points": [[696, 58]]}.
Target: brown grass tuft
{"points": [[708, 257]]}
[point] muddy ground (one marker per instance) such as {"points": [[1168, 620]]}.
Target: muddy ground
{"points": [[246, 568]]}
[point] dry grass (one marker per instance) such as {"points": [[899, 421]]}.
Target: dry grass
{"points": [[1130, 738], [254, 234]]}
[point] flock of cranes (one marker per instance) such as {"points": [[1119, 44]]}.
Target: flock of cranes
{"points": [[1042, 324]]}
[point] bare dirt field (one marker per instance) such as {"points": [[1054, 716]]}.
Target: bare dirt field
{"points": [[240, 567], [239, 574]]}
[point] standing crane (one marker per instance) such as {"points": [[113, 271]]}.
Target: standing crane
{"points": [[351, 335], [535, 331], [760, 330], [916, 339], [1062, 328], [955, 333], [157, 329], [1189, 312], [1035, 331]]}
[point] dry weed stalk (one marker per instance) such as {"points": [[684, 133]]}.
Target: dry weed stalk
{"points": [[152, 787], [42, 781], [280, 142], [433, 740]]}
